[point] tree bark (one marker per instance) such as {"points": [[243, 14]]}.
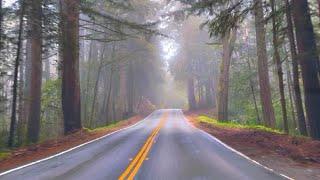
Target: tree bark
{"points": [[295, 72], [21, 121], [223, 87], [1, 43], [15, 77], [309, 63], [277, 60], [265, 90], [36, 71], [22, 128], [70, 65], [289, 79], [318, 8], [1, 27]]}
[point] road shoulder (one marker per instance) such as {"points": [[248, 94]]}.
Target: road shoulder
{"points": [[28, 154], [284, 154]]}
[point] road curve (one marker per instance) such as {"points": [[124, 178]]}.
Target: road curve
{"points": [[175, 150]]}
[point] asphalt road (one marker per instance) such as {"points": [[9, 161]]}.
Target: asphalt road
{"points": [[177, 151]]}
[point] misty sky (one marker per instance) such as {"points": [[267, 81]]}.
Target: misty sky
{"points": [[169, 46], [7, 3]]}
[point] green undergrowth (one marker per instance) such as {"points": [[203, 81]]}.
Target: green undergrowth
{"points": [[4, 154], [230, 124], [102, 128]]}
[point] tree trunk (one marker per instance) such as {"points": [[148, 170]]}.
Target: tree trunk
{"points": [[191, 97], [22, 128], [1, 28], [214, 87], [21, 121], [109, 94], [199, 92], [253, 92], [70, 65], [277, 60], [110, 84], [265, 90], [223, 87], [113, 105], [36, 71], [86, 92], [95, 90], [15, 77], [295, 72], [60, 43], [309, 63], [1, 44], [122, 90], [289, 79], [318, 8], [130, 89], [208, 89], [47, 69]]}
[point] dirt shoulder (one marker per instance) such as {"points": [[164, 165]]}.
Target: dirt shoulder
{"points": [[32, 153], [296, 157]]}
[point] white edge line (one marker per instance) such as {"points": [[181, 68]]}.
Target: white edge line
{"points": [[71, 149], [237, 152]]}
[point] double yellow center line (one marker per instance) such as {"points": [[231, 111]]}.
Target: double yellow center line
{"points": [[137, 162]]}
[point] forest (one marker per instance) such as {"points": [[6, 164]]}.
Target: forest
{"points": [[72, 64]]}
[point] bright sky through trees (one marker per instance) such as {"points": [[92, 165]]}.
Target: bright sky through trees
{"points": [[8, 3]]}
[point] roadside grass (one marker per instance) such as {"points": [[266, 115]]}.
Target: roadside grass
{"points": [[103, 128], [4, 152], [4, 155], [230, 124]]}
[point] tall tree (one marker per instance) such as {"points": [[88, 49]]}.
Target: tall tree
{"points": [[223, 87], [264, 82], [96, 85], [21, 118], [108, 95], [295, 72], [92, 53], [208, 88], [291, 95], [27, 79], [252, 89], [15, 77], [70, 64], [318, 8], [36, 70], [130, 85], [309, 62], [1, 26], [190, 88], [122, 89], [278, 63]]}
